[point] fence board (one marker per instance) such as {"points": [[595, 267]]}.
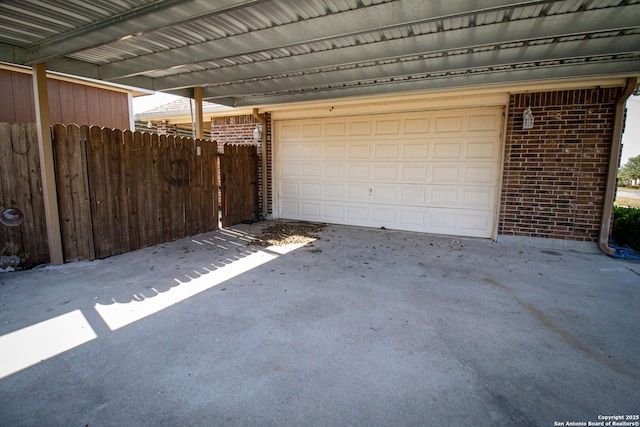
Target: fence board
{"points": [[140, 181], [155, 196], [174, 174], [198, 195], [63, 152], [11, 235], [20, 148], [211, 170], [191, 193], [98, 193], [120, 191], [165, 190], [83, 201], [39, 232], [9, 193], [132, 185]]}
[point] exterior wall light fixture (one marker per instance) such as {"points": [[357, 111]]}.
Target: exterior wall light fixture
{"points": [[527, 119], [257, 132]]}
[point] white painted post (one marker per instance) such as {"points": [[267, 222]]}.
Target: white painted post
{"points": [[45, 145]]}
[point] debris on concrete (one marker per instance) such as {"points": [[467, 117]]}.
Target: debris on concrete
{"points": [[285, 233]]}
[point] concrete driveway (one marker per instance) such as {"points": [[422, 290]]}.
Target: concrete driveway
{"points": [[361, 327]]}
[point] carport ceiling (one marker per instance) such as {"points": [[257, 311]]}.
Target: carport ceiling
{"points": [[257, 52]]}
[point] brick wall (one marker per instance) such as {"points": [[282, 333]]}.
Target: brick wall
{"points": [[164, 128], [239, 130], [555, 173]]}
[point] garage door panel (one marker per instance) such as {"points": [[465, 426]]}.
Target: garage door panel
{"points": [[386, 151], [289, 170], [288, 131], [415, 151], [333, 213], [359, 151], [359, 191], [446, 150], [415, 194], [311, 171], [359, 128], [411, 218], [413, 173], [387, 127], [443, 219], [311, 210], [425, 171], [385, 194], [444, 197], [335, 171], [334, 129], [334, 152], [289, 189], [385, 172], [480, 198], [311, 130], [334, 191], [358, 213], [310, 152], [448, 124], [417, 125], [485, 123], [480, 174], [289, 151], [359, 171], [475, 223], [310, 189], [384, 216], [290, 210], [481, 150], [445, 173]]}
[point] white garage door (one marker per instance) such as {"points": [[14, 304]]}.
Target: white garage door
{"points": [[434, 171]]}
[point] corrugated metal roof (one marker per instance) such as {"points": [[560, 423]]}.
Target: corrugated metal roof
{"points": [[232, 47]]}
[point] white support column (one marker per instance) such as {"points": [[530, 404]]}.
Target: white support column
{"points": [[45, 146], [132, 118], [197, 95]]}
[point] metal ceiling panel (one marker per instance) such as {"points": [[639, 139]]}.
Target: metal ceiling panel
{"points": [[247, 51], [38, 20]]}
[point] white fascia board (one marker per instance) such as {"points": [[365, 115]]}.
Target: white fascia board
{"points": [[182, 115], [435, 99]]}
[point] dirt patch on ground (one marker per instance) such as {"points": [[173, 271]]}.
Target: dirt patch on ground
{"points": [[283, 233]]}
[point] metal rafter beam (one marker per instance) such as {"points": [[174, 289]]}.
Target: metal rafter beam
{"points": [[534, 74], [465, 38], [493, 58], [371, 18], [13, 54], [149, 17]]}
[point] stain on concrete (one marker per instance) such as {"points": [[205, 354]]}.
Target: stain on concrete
{"points": [[567, 337], [576, 344]]}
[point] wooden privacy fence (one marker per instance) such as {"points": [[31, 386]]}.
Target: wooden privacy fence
{"points": [[117, 191], [138, 189]]}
